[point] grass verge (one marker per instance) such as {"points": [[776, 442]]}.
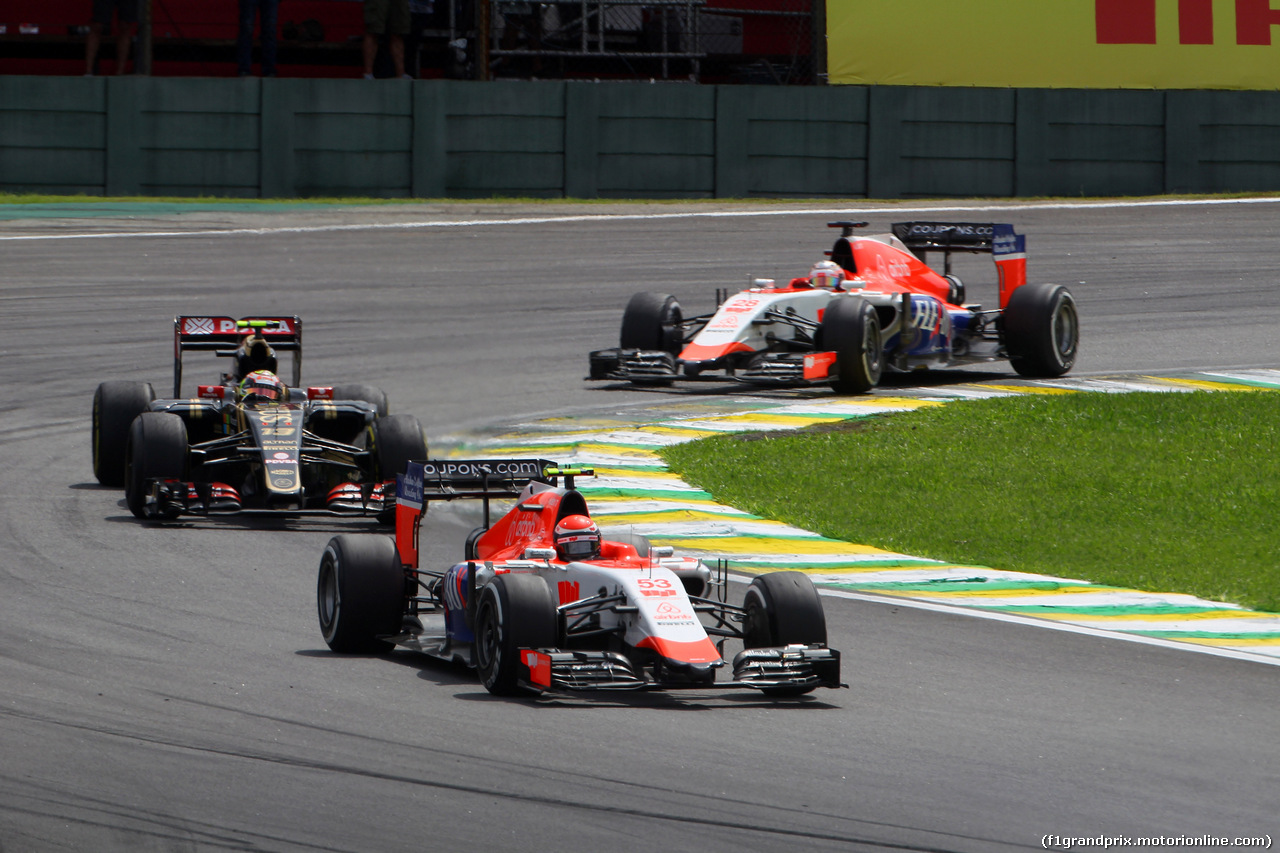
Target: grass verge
{"points": [[1159, 492]]}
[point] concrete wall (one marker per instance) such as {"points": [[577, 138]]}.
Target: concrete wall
{"points": [[284, 138]]}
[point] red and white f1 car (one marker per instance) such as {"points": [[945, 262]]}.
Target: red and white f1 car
{"points": [[884, 310], [534, 616]]}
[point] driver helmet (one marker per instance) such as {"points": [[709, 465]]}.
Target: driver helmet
{"points": [[827, 275], [262, 387], [577, 538]]}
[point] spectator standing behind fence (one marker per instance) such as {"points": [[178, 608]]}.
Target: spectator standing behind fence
{"points": [[126, 14], [266, 12], [389, 18]]}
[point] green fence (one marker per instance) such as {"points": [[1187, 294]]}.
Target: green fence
{"points": [[285, 138]]}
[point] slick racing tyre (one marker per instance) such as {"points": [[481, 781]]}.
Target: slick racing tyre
{"points": [[395, 440], [365, 393], [783, 608], [1041, 330], [157, 449], [851, 329], [360, 594], [513, 612], [652, 321], [115, 405]]}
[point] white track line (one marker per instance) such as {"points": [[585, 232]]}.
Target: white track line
{"points": [[604, 218]]}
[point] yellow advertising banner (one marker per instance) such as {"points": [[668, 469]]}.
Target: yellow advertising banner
{"points": [[1089, 44]]}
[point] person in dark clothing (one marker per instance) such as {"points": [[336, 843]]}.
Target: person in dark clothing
{"points": [[267, 12], [126, 15]]}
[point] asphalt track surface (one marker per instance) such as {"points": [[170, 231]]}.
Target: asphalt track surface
{"points": [[167, 688]]}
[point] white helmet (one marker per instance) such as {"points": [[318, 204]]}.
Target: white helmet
{"points": [[826, 274]]}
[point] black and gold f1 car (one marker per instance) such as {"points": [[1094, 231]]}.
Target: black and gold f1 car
{"points": [[251, 443]]}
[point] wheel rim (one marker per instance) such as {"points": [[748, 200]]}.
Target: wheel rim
{"points": [[755, 627], [329, 598], [97, 433], [128, 471], [1065, 330], [669, 333], [873, 352], [488, 639]]}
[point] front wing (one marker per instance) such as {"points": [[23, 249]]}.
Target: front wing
{"points": [[167, 499], [661, 367], [783, 667]]}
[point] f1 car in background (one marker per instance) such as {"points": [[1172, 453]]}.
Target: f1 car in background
{"points": [[250, 443], [541, 602], [886, 310]]}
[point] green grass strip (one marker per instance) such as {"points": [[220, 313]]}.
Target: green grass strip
{"points": [[1173, 492]]}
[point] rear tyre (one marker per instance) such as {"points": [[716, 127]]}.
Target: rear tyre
{"points": [[360, 594], [367, 393], [115, 405], [513, 612], [157, 449], [851, 329], [395, 440], [1041, 330], [783, 608]]}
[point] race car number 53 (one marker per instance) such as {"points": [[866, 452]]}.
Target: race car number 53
{"points": [[653, 583]]}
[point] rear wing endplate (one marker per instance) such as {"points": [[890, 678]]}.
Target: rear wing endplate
{"points": [[223, 335]]}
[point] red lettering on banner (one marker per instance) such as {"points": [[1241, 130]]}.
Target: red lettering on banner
{"points": [[1254, 20], [1125, 21], [1195, 21], [1134, 21]]}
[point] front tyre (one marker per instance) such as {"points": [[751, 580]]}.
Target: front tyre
{"points": [[651, 321], [782, 609], [513, 612], [360, 594], [1041, 330], [115, 405], [851, 329], [156, 450]]}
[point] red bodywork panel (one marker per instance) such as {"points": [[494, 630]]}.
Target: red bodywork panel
{"points": [[889, 269]]}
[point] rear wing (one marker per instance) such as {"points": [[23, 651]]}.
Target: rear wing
{"points": [[1007, 247], [459, 479], [223, 335]]}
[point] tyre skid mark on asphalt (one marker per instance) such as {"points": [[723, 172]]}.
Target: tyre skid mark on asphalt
{"points": [[634, 489]]}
